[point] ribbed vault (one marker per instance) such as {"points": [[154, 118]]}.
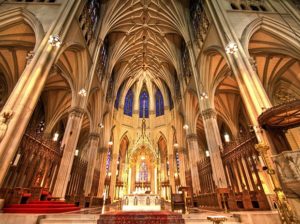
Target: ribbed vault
{"points": [[145, 39]]}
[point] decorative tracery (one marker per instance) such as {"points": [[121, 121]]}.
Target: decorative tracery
{"points": [[199, 19], [89, 19]]}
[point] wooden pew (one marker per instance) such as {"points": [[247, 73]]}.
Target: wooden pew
{"points": [[20, 195], [177, 202]]}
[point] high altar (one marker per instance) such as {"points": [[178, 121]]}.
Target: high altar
{"points": [[141, 202]]}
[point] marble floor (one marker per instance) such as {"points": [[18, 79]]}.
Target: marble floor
{"points": [[91, 215]]}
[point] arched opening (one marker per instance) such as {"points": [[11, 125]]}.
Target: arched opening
{"points": [[128, 105], [144, 103], [277, 68]]}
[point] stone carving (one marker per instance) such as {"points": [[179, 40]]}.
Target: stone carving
{"points": [[288, 164], [29, 57], [4, 119], [209, 113]]}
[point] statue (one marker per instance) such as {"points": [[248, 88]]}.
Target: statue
{"points": [[4, 118]]}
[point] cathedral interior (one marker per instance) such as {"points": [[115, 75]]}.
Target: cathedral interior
{"points": [[195, 103]]}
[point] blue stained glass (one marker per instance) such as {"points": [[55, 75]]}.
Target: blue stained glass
{"points": [[144, 104], [159, 101], [128, 103]]}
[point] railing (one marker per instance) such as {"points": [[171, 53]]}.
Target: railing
{"points": [[241, 165]]}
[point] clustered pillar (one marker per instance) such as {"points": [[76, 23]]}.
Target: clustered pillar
{"points": [[215, 146], [194, 157], [69, 144]]}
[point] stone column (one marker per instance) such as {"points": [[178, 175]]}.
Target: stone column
{"points": [[68, 146], [133, 177], [113, 177], [92, 156], [181, 156], [172, 173], [103, 158], [194, 157], [21, 102], [214, 143]]}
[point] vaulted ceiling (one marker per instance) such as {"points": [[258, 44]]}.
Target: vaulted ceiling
{"points": [[145, 38]]}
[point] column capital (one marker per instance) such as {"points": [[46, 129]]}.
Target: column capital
{"points": [[192, 136], [209, 113], [76, 111], [94, 136]]}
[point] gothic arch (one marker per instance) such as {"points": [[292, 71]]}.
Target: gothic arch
{"points": [[278, 30], [17, 15]]}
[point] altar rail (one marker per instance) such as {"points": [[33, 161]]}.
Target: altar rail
{"points": [[241, 164]]}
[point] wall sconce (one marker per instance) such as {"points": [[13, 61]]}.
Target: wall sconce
{"points": [[203, 96], [226, 137], [54, 40], [55, 136], [110, 143], [231, 48], [82, 92], [185, 127]]}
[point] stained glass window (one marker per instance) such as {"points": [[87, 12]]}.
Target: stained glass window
{"points": [[144, 104], [128, 103], [143, 174], [159, 102]]}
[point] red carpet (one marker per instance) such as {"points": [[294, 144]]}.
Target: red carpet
{"points": [[41, 207], [163, 217]]}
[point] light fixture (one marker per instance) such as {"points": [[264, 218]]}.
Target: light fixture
{"points": [[231, 48], [176, 145], [76, 152], [55, 136], [109, 174], [82, 92], [207, 153], [110, 143], [143, 158], [185, 127], [203, 96], [101, 125], [54, 40], [227, 137], [176, 175]]}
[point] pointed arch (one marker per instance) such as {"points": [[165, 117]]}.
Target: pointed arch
{"points": [[144, 103], [128, 105], [159, 103]]}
